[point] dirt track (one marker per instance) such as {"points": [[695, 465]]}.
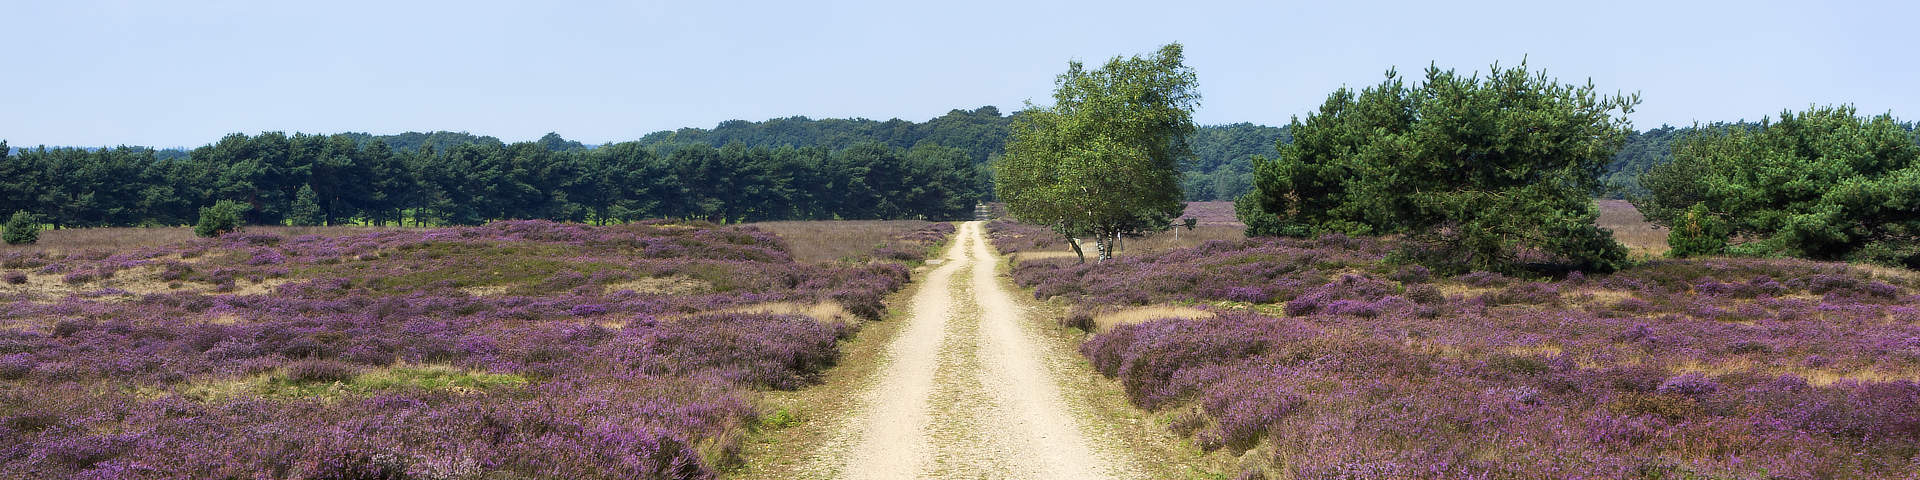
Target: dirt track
{"points": [[968, 390]]}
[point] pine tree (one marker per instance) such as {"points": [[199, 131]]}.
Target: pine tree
{"points": [[1473, 170], [306, 210]]}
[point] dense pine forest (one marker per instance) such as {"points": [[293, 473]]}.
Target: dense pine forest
{"points": [[335, 179], [779, 169]]}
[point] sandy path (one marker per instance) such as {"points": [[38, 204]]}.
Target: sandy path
{"points": [[895, 409], [969, 390]]}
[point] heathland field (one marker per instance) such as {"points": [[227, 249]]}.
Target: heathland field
{"points": [[1320, 358], [532, 349], [524, 349]]}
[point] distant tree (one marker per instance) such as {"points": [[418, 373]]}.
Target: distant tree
{"points": [[223, 217], [22, 228], [1697, 233], [552, 142], [1475, 171], [1824, 184], [391, 186], [943, 183], [1104, 159], [306, 209]]}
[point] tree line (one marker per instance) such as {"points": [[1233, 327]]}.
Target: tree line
{"points": [[1498, 173], [355, 178], [1220, 168]]}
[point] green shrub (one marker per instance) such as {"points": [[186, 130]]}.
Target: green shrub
{"points": [[222, 217], [1473, 170], [306, 209], [22, 229], [1825, 184], [1697, 232]]}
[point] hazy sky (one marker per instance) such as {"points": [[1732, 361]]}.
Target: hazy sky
{"points": [[84, 72]]}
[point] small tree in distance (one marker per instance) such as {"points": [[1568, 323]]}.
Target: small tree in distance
{"points": [[222, 217], [1104, 159], [1697, 233], [306, 210], [22, 228]]}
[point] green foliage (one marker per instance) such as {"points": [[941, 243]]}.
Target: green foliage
{"points": [[1824, 184], [1642, 151], [1247, 209], [331, 180], [1697, 232], [306, 209], [980, 133], [787, 169], [1222, 166], [1103, 160], [1474, 171], [222, 217], [1220, 169], [22, 228]]}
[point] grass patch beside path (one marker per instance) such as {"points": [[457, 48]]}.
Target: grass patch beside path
{"points": [[301, 382]]}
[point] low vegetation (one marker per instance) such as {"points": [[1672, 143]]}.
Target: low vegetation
{"points": [[523, 349], [1323, 359]]}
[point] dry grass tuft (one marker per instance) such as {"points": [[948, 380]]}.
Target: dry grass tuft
{"points": [[1881, 272], [824, 241], [1021, 257], [486, 290], [1601, 296], [123, 238], [1179, 238], [823, 312], [672, 285], [135, 281], [1105, 321]]}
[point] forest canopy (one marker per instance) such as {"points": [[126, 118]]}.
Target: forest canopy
{"points": [[385, 177], [348, 178]]}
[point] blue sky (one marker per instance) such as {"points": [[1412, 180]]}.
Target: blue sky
{"points": [[86, 72]]}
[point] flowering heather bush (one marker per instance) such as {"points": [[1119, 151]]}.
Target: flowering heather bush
{"points": [[1265, 269], [1212, 213], [1338, 365], [913, 246], [1009, 236], [512, 350]]}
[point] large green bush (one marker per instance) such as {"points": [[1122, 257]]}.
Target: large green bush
{"points": [[22, 229], [1824, 184], [1476, 172], [222, 217]]}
